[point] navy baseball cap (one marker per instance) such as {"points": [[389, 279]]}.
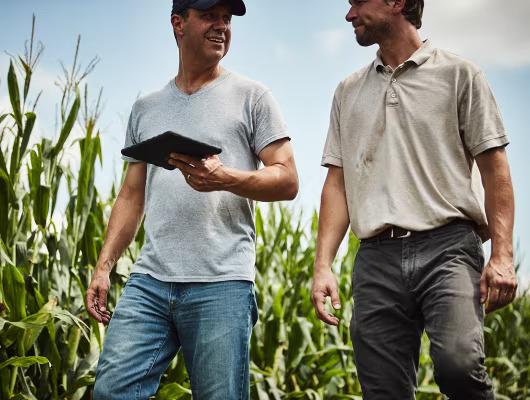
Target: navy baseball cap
{"points": [[237, 7]]}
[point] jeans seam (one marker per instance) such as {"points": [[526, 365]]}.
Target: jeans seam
{"points": [[150, 367], [245, 349], [405, 256]]}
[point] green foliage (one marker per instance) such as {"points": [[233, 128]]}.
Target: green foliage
{"points": [[47, 350], [294, 355], [507, 340], [48, 345]]}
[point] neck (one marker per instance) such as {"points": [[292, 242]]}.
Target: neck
{"points": [[193, 76], [400, 45]]}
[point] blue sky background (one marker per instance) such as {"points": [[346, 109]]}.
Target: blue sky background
{"points": [[301, 50]]}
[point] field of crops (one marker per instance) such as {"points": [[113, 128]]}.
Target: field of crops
{"points": [[48, 345]]}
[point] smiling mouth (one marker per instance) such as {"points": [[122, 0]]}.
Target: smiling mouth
{"points": [[216, 40]]}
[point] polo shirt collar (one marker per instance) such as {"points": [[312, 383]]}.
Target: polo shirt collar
{"points": [[422, 54], [418, 57]]}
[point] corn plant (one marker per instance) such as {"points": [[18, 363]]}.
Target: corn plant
{"points": [[294, 355], [47, 350], [507, 339]]}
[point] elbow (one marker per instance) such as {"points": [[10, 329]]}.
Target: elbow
{"points": [[291, 190]]}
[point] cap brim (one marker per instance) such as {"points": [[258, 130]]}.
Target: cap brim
{"points": [[237, 7]]}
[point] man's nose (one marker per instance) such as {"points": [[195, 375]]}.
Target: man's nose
{"points": [[352, 14], [220, 25]]}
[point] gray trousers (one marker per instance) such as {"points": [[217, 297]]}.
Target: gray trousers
{"points": [[402, 287]]}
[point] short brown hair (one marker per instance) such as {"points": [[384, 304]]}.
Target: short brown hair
{"points": [[413, 12]]}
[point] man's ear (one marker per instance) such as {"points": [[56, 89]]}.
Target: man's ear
{"points": [[398, 6], [177, 21]]}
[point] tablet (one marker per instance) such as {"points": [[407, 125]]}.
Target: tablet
{"points": [[156, 150]]}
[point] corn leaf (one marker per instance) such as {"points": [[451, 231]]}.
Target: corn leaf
{"points": [[68, 125], [14, 95], [28, 128], [93, 324], [24, 361], [14, 292], [41, 205], [173, 391], [74, 336], [85, 188], [27, 80], [83, 381]]}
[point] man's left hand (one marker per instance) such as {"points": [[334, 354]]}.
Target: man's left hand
{"points": [[498, 284], [204, 175]]}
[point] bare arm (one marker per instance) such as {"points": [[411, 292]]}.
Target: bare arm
{"points": [[498, 284], [278, 180], [125, 219], [332, 226]]}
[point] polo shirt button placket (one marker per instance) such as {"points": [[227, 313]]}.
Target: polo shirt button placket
{"points": [[392, 99], [392, 96]]}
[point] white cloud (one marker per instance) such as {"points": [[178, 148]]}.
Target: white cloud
{"points": [[491, 33]]}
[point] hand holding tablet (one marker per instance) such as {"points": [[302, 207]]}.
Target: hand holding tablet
{"points": [[156, 150]]}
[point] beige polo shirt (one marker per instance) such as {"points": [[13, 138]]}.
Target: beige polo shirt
{"points": [[406, 140]]}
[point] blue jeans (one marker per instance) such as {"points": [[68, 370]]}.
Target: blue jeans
{"points": [[211, 322]]}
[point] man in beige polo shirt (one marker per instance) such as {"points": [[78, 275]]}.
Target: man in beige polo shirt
{"points": [[414, 139]]}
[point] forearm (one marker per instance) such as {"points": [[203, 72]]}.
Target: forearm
{"points": [[272, 183], [124, 221], [499, 200], [500, 213], [278, 180], [333, 224]]}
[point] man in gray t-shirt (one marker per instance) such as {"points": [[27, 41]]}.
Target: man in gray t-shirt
{"points": [[410, 137], [191, 288]]}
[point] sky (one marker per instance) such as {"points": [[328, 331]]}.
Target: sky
{"points": [[300, 50]]}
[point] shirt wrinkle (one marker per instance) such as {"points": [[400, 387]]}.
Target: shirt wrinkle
{"points": [[401, 141]]}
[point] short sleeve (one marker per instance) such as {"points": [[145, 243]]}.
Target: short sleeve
{"points": [[480, 118], [332, 150], [130, 135], [268, 122]]}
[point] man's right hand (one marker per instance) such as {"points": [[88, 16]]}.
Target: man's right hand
{"points": [[324, 286], [96, 297]]}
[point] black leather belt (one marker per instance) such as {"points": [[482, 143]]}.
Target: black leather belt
{"points": [[396, 232], [393, 232]]}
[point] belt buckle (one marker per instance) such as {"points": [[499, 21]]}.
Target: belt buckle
{"points": [[406, 235]]}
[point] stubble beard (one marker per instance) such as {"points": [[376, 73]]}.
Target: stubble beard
{"points": [[374, 34]]}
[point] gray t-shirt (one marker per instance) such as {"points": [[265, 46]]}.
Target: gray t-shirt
{"points": [[407, 139], [203, 237]]}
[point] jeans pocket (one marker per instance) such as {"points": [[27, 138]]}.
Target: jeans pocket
{"points": [[356, 271], [127, 284], [478, 250]]}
